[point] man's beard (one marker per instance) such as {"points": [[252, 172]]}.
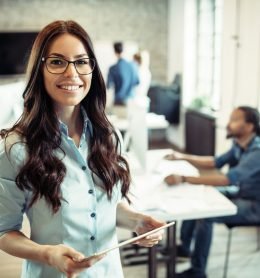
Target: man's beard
{"points": [[229, 135]]}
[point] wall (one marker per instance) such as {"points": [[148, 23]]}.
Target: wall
{"points": [[142, 21], [240, 61], [176, 38]]}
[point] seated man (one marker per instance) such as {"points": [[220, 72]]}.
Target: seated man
{"points": [[243, 174]]}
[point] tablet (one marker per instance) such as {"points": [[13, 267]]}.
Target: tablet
{"points": [[131, 240]]}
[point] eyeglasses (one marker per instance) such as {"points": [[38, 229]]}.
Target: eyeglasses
{"points": [[57, 65]]}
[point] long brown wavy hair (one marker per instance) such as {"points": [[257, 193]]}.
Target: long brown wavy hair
{"points": [[38, 126]]}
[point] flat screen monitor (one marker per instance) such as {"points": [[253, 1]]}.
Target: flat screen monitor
{"points": [[15, 49]]}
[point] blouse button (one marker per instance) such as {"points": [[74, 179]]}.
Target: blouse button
{"points": [[92, 238], [90, 191], [93, 214], [83, 168]]}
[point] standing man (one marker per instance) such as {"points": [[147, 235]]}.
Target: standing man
{"points": [[123, 76], [243, 174]]}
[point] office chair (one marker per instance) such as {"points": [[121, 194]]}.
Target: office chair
{"points": [[230, 228]]}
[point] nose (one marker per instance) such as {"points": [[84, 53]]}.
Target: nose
{"points": [[71, 71]]}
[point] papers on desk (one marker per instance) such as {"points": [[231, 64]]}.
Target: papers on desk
{"points": [[178, 167], [185, 202]]}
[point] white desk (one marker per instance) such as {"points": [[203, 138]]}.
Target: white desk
{"points": [[181, 202], [153, 121]]}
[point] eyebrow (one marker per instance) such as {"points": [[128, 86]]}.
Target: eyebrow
{"points": [[62, 56]]}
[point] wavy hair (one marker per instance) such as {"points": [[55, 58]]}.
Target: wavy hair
{"points": [[43, 172]]}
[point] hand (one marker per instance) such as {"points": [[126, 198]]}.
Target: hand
{"points": [[174, 156], [69, 261], [173, 179], [145, 224]]}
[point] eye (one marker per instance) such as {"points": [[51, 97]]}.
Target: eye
{"points": [[56, 62], [82, 62]]}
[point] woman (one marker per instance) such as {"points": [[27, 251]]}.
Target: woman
{"points": [[61, 165]]}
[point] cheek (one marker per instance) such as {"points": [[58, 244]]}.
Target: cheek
{"points": [[88, 82], [49, 83]]}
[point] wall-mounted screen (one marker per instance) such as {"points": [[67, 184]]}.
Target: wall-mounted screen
{"points": [[15, 49]]}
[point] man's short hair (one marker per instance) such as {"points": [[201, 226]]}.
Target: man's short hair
{"points": [[118, 47], [251, 116]]}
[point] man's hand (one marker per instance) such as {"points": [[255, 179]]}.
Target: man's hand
{"points": [[174, 179], [174, 156]]}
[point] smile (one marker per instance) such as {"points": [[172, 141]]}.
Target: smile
{"points": [[69, 87]]}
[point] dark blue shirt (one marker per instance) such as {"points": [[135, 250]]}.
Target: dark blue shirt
{"points": [[123, 76], [244, 168]]}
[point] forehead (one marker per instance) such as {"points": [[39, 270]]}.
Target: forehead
{"points": [[238, 114], [67, 45]]}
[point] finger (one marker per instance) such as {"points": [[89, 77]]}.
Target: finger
{"points": [[169, 157], [87, 262], [147, 244], [73, 254]]}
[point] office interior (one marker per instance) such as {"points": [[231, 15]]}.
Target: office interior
{"points": [[204, 58]]}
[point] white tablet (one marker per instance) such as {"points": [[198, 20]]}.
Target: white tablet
{"points": [[131, 240]]}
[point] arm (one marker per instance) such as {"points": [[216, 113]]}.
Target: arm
{"points": [[196, 160], [65, 259], [139, 223], [214, 180], [109, 79]]}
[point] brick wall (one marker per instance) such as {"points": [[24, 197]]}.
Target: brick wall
{"points": [[142, 21]]}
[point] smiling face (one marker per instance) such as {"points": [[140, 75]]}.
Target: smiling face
{"points": [[69, 88]]}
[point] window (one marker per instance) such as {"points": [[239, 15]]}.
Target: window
{"points": [[203, 25]]}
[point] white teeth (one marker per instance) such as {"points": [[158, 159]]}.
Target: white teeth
{"points": [[69, 88]]}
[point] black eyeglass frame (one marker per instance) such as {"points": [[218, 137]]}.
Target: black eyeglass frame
{"points": [[44, 59]]}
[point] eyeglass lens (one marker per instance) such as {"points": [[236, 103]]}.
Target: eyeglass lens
{"points": [[59, 65]]}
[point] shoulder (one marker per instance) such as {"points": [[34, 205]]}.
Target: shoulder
{"points": [[12, 150], [256, 143]]}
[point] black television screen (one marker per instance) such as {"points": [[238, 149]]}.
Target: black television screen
{"points": [[15, 49]]}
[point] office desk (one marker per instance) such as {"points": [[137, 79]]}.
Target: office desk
{"points": [[181, 202], [153, 121]]}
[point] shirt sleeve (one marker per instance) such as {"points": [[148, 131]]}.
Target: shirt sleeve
{"points": [[12, 199], [224, 159], [136, 79], [110, 81], [247, 169]]}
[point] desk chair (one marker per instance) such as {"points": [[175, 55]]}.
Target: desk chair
{"points": [[230, 228]]}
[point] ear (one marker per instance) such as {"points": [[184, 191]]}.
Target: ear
{"points": [[250, 127]]}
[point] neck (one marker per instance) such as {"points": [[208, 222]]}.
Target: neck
{"points": [[245, 140], [71, 117]]}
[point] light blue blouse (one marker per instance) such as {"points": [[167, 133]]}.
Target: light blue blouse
{"points": [[86, 221]]}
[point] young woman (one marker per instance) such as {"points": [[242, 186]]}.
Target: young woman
{"points": [[61, 164]]}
